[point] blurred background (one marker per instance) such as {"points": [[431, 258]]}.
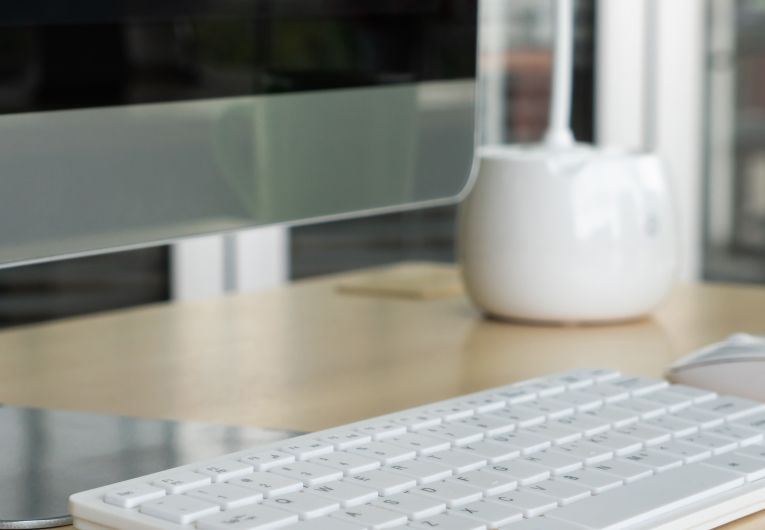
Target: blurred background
{"points": [[685, 78]]}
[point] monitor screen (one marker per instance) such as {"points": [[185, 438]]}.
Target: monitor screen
{"points": [[127, 123]]}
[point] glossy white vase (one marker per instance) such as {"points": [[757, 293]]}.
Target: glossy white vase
{"points": [[570, 235]]}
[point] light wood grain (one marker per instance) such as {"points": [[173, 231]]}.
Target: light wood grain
{"points": [[308, 357]]}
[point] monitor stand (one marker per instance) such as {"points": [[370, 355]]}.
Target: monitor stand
{"points": [[47, 455]]}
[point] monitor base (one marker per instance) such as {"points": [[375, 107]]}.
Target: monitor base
{"points": [[47, 455]]}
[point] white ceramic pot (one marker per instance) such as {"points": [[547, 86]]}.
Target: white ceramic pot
{"points": [[575, 235]]}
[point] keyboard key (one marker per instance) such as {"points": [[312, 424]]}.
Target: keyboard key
{"points": [[697, 395], [384, 452], [551, 408], [718, 444], [754, 421], [225, 470], [308, 472], [639, 386], [702, 418], [595, 480], [458, 434], [349, 464], [422, 444], [133, 495], [451, 492], [423, 471], [227, 496], [657, 461], [618, 443], [371, 516], [531, 504], [515, 395], [554, 432], [574, 380], [587, 452], [675, 426], [541, 523], [345, 440], [556, 462], [385, 482], [545, 387], [521, 416], [730, 407], [523, 472], [624, 470], [609, 393], [448, 521], [687, 451], [587, 425], [452, 411], [180, 509], [582, 400], [457, 460], [305, 505], [644, 408], [180, 481], [416, 421], [491, 425], [268, 484], [564, 492], [642, 500], [382, 430], [346, 493], [645, 434], [492, 451], [326, 523], [524, 442], [415, 507], [484, 403], [619, 418], [264, 460], [489, 483], [750, 468], [305, 449], [672, 401], [754, 451], [742, 435], [256, 517], [492, 514]]}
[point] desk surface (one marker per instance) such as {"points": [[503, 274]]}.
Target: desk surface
{"points": [[308, 357]]}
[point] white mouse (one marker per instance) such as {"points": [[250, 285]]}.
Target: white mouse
{"points": [[734, 366]]}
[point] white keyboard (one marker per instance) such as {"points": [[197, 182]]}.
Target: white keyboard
{"points": [[586, 449]]}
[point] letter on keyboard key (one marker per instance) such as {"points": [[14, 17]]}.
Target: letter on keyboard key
{"points": [[263, 460], [385, 482], [179, 481], [531, 504], [306, 505], [492, 514], [457, 460], [268, 484], [371, 516], [255, 517], [415, 507], [451, 492], [227, 496], [731, 407], [347, 493], [564, 492], [489, 483], [640, 501], [180, 509], [523, 472], [449, 522], [750, 468], [349, 464], [308, 473], [305, 449], [422, 471], [133, 495]]}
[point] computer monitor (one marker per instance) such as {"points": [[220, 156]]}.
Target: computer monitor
{"points": [[125, 123]]}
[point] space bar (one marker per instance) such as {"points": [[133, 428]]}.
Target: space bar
{"points": [[640, 501]]}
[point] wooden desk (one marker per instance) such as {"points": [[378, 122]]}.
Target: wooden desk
{"points": [[307, 357]]}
